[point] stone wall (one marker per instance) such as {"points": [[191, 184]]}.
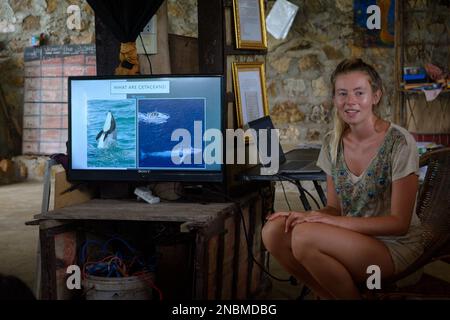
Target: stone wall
{"points": [[298, 67], [20, 20], [183, 17]]}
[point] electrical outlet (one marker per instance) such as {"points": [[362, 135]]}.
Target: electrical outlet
{"points": [[149, 37], [150, 27]]}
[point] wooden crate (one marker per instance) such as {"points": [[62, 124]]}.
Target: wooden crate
{"points": [[208, 258], [232, 272]]}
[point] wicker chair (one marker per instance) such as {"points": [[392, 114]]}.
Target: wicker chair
{"points": [[433, 209]]}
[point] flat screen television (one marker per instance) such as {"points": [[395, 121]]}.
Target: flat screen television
{"points": [[145, 128]]}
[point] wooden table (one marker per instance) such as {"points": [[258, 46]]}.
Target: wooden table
{"points": [[306, 155], [219, 265]]}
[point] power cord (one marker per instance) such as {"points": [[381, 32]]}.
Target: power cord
{"points": [[284, 192], [280, 177], [291, 279], [146, 54]]}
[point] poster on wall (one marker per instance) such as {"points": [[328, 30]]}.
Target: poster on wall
{"points": [[373, 23]]}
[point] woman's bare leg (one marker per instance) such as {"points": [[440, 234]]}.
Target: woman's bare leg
{"points": [[278, 243], [338, 258]]}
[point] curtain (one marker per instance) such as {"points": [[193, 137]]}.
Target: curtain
{"points": [[126, 19]]}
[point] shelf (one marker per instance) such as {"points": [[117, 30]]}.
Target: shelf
{"points": [[420, 91], [230, 50], [406, 19], [409, 92], [422, 85]]}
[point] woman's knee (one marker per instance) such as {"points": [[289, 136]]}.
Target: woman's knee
{"points": [[302, 241], [273, 234]]}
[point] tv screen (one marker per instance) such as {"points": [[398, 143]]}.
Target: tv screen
{"points": [[145, 128]]}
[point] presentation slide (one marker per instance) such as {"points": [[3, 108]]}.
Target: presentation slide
{"points": [[122, 124]]}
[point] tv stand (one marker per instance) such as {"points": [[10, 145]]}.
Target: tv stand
{"points": [[207, 258]]}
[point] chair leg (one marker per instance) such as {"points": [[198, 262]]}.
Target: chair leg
{"points": [[37, 292]]}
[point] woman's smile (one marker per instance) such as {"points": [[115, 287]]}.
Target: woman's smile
{"points": [[351, 112]]}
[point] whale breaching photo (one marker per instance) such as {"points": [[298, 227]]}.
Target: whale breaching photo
{"points": [[108, 135], [111, 133]]}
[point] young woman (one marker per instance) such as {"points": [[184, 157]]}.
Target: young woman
{"points": [[372, 182]]}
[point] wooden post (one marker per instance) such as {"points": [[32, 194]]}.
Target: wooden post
{"points": [[107, 49], [210, 35], [399, 113], [160, 61]]}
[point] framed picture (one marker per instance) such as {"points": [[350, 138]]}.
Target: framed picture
{"points": [[249, 91], [249, 24]]}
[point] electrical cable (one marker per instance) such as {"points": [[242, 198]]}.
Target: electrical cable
{"points": [[291, 279], [146, 54], [117, 264], [284, 192], [280, 176]]}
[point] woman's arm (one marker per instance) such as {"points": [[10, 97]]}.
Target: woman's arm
{"points": [[333, 206], [403, 197]]}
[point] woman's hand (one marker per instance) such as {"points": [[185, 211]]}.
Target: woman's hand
{"points": [[316, 216], [277, 215], [293, 219], [311, 217]]}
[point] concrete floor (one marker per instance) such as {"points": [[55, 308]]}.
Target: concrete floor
{"points": [[18, 242]]}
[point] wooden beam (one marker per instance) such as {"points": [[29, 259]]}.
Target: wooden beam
{"points": [[107, 49], [211, 36]]}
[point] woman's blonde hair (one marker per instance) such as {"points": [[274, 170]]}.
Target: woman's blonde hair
{"points": [[344, 67]]}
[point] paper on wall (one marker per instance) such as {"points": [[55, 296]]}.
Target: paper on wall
{"points": [[280, 18]]}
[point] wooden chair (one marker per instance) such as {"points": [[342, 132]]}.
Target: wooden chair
{"points": [[433, 209]]}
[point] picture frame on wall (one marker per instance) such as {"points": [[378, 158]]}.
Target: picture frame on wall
{"points": [[250, 24], [249, 91]]}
